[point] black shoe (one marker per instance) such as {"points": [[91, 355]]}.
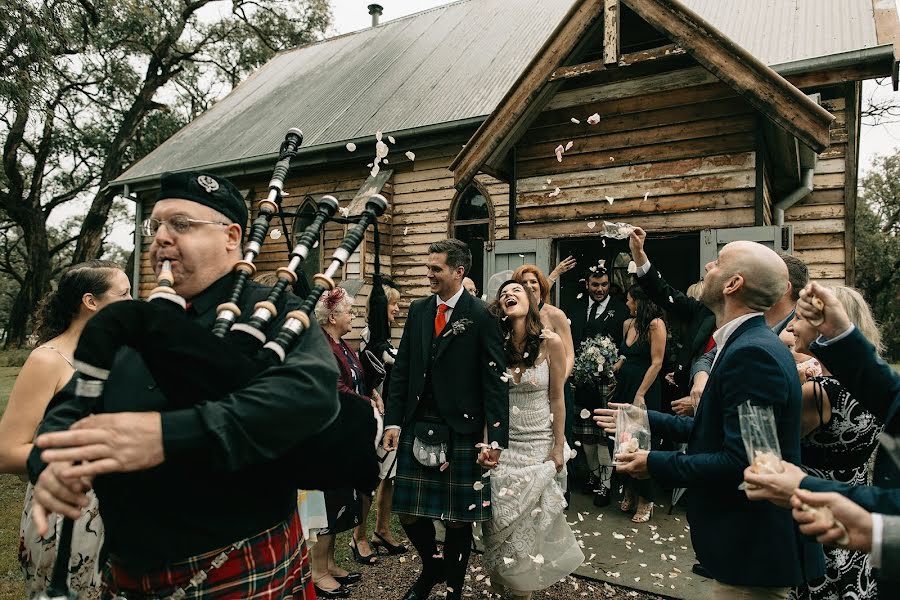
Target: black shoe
{"points": [[392, 549], [340, 592], [602, 496], [363, 560], [698, 569], [590, 485], [421, 589], [348, 579], [568, 498]]}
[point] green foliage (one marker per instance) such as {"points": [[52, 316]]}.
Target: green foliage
{"points": [[878, 247]]}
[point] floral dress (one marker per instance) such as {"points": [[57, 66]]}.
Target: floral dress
{"points": [[839, 450]]}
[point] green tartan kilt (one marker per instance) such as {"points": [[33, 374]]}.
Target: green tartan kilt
{"points": [[586, 430], [447, 495]]}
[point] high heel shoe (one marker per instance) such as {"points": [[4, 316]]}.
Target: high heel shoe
{"points": [[338, 592], [627, 503], [643, 513], [363, 560], [392, 549]]}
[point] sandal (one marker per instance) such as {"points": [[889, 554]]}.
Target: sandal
{"points": [[392, 549], [627, 503], [643, 513], [363, 560]]}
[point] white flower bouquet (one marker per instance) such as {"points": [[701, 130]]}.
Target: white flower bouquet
{"points": [[594, 361]]}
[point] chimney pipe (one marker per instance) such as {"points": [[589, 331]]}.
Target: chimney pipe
{"points": [[375, 10]]}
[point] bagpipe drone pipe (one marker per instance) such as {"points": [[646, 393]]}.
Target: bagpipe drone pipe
{"points": [[190, 363]]}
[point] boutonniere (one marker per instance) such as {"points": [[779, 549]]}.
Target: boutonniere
{"points": [[609, 314], [457, 327]]}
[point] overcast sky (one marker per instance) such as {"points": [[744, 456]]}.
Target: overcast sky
{"points": [[353, 15]]}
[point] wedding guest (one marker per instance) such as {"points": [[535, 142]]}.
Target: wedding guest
{"points": [[726, 527], [385, 354], [552, 318], [565, 265], [637, 381], [596, 313], [447, 395], [840, 436], [334, 313], [532, 476], [470, 286], [83, 290]]}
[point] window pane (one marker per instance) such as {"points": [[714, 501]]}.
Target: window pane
{"points": [[472, 205], [475, 236]]}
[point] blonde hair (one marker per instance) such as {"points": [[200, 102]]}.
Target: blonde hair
{"points": [[393, 294], [695, 290], [860, 314]]}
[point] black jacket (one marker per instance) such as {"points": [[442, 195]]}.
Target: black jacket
{"points": [[465, 369], [610, 322]]}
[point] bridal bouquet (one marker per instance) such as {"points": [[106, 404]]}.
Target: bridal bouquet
{"points": [[594, 361]]}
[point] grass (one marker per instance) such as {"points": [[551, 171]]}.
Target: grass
{"points": [[12, 492]]}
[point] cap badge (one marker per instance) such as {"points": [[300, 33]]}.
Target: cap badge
{"points": [[208, 183]]}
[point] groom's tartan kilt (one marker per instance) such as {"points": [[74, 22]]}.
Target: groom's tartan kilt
{"points": [[586, 430], [447, 495]]}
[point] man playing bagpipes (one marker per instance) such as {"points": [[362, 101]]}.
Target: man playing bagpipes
{"points": [[199, 500]]}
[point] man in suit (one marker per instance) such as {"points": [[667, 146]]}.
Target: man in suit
{"points": [[597, 313], [749, 548], [446, 387]]}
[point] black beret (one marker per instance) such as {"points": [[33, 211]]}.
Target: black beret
{"points": [[205, 188]]}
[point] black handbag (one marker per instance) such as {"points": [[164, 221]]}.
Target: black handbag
{"points": [[431, 443]]}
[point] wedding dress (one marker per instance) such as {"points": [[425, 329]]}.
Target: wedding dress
{"points": [[529, 545]]}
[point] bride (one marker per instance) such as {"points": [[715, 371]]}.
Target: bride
{"points": [[529, 545]]}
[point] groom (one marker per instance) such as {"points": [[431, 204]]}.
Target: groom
{"points": [[446, 387]]}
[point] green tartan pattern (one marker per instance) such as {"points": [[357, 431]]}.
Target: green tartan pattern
{"points": [[447, 495], [586, 430]]}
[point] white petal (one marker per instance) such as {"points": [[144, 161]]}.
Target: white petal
{"points": [[391, 139], [574, 120], [410, 155], [378, 135], [646, 195], [351, 147], [585, 413], [610, 199], [593, 119], [569, 146], [477, 486], [591, 225]]}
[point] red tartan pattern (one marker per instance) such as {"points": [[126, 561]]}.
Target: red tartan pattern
{"points": [[271, 565]]}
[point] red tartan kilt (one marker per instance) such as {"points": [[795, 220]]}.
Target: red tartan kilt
{"points": [[273, 564]]}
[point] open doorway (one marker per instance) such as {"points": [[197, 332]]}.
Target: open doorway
{"points": [[675, 255]]}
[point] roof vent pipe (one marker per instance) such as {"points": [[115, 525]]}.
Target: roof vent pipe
{"points": [[375, 10]]}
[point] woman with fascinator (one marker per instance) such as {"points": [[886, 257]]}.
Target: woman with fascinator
{"points": [[529, 545], [334, 313]]}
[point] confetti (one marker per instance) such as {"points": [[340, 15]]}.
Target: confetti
{"points": [[536, 512], [585, 413], [591, 225], [537, 559], [559, 152], [632, 267], [578, 297], [381, 150], [574, 120], [375, 170], [508, 561], [472, 507], [593, 119], [477, 486], [276, 234], [445, 466], [646, 195], [410, 155], [405, 230], [378, 135], [344, 210], [618, 536], [610, 199], [549, 181], [554, 193], [569, 146], [351, 147], [671, 300], [391, 139]]}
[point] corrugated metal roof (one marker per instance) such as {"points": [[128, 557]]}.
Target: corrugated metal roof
{"points": [[784, 31], [446, 64], [452, 63]]}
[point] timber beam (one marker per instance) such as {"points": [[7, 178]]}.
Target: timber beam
{"points": [[762, 87], [633, 58], [887, 31], [611, 19]]}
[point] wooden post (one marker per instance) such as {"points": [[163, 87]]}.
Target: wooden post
{"points": [[611, 33], [887, 31]]}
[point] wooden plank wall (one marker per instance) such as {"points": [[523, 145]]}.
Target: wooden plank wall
{"points": [[691, 149], [818, 219]]}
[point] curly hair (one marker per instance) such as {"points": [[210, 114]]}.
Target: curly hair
{"points": [[533, 328], [59, 308], [647, 311], [335, 301]]}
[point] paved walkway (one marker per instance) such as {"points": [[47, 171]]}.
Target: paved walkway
{"points": [[654, 557]]}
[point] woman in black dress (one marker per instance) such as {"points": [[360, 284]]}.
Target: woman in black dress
{"points": [[637, 380]]}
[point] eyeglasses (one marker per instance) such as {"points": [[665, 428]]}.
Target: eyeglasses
{"points": [[178, 224]]}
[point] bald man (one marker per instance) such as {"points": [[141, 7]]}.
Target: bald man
{"points": [[752, 550], [470, 286]]}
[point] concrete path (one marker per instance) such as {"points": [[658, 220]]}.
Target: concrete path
{"points": [[654, 557]]}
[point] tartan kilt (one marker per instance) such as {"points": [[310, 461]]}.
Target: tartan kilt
{"points": [[447, 495], [586, 430], [273, 564]]}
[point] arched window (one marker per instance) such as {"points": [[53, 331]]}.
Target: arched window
{"points": [[306, 212], [472, 221]]}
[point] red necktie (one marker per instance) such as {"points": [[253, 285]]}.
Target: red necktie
{"points": [[710, 344], [441, 319]]}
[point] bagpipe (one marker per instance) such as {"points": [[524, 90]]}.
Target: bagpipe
{"points": [[190, 363]]}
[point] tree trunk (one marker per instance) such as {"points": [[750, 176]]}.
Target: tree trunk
{"points": [[90, 241], [36, 284]]}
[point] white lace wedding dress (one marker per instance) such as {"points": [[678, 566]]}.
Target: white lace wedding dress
{"points": [[529, 545]]}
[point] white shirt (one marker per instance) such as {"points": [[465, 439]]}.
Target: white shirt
{"points": [[600, 309], [451, 302], [724, 332]]}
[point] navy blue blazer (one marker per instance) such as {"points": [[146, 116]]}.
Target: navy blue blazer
{"points": [[739, 542], [854, 362]]}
